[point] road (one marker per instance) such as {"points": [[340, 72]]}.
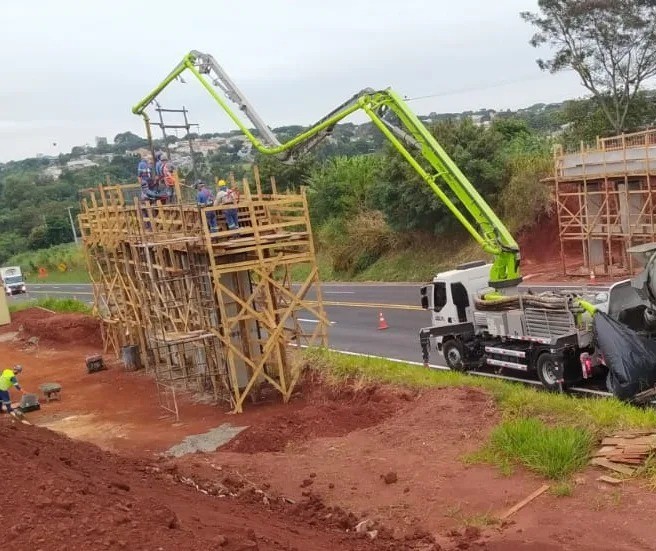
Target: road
{"points": [[353, 329]]}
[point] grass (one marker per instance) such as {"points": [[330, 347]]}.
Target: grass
{"points": [[59, 305], [69, 276], [64, 263], [554, 452], [551, 434]]}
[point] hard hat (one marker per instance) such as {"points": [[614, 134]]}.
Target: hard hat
{"points": [[17, 368], [222, 183]]}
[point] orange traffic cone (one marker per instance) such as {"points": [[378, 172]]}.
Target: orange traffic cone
{"points": [[382, 324]]}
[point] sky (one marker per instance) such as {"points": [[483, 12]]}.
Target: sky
{"points": [[73, 69]]}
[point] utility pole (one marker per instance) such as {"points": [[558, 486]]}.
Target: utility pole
{"points": [[70, 217]]}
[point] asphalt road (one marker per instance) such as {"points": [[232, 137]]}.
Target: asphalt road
{"points": [[353, 329]]}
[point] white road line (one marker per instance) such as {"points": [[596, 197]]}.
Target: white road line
{"points": [[314, 321], [68, 293]]}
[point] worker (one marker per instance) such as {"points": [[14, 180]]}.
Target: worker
{"points": [[225, 196], [144, 170], [7, 380], [204, 198], [168, 177], [158, 167]]}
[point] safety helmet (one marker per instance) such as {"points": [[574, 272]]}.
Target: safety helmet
{"points": [[222, 183], [17, 369]]}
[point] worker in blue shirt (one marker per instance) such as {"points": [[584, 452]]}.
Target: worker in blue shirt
{"points": [[204, 198], [7, 380]]}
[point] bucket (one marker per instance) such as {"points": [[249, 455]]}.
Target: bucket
{"points": [[130, 356]]}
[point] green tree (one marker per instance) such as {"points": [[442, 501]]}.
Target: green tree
{"points": [[287, 175], [340, 187], [611, 44], [410, 204]]}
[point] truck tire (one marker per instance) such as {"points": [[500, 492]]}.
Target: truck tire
{"points": [[454, 355], [548, 366]]}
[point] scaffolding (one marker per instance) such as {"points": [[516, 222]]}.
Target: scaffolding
{"points": [[605, 202], [211, 311]]}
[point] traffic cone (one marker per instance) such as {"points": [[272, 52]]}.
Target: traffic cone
{"points": [[592, 277], [382, 324]]}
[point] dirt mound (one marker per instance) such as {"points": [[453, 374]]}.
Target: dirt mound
{"points": [[57, 328], [327, 412], [540, 243], [68, 495]]}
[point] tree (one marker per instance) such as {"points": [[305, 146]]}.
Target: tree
{"points": [[611, 44], [406, 200], [129, 140]]}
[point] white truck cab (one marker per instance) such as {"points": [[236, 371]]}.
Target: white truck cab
{"points": [[450, 297]]}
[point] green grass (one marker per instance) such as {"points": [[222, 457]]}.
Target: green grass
{"points": [[60, 305], [554, 452], [548, 433], [68, 255], [70, 276]]}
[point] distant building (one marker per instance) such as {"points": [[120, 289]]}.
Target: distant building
{"points": [[80, 163], [101, 140], [53, 172]]}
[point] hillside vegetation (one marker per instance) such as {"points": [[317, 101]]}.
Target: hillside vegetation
{"points": [[373, 218]]}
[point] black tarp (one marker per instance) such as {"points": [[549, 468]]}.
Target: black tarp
{"points": [[630, 357]]}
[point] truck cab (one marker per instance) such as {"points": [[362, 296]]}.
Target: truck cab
{"points": [[12, 280], [451, 295]]}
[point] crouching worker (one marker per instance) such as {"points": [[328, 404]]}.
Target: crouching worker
{"points": [[227, 196], [7, 380]]}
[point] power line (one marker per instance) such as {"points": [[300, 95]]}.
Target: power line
{"points": [[477, 88]]}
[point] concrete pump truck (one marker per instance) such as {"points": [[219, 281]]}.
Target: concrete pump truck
{"points": [[478, 316]]}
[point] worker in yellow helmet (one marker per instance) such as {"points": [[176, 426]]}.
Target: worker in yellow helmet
{"points": [[7, 380]]}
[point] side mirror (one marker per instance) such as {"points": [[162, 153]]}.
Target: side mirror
{"points": [[427, 296]]}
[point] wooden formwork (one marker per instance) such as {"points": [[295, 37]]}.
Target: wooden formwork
{"points": [[606, 202], [214, 311]]}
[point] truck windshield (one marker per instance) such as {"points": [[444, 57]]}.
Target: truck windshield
{"points": [[11, 280], [440, 296]]}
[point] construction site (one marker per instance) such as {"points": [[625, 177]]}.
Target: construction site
{"points": [[605, 203], [197, 405]]}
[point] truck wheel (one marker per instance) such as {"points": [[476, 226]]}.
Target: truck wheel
{"points": [[549, 367], [454, 355]]}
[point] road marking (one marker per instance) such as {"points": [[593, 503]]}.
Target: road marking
{"points": [[366, 305], [68, 293], [314, 321]]}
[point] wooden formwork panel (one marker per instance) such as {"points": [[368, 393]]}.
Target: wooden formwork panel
{"points": [[213, 311]]}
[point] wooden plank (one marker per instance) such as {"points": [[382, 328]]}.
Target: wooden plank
{"points": [[609, 480], [627, 461], [524, 502], [601, 452], [612, 466]]}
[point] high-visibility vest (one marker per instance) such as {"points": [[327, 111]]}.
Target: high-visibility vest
{"points": [[169, 179], [6, 379]]}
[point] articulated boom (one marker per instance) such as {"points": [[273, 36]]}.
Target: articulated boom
{"points": [[408, 135]]}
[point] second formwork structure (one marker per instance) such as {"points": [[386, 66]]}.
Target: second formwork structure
{"points": [[210, 311]]}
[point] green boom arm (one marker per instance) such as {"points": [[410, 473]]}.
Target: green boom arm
{"points": [[406, 133]]}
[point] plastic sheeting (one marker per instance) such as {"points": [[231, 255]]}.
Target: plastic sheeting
{"points": [[630, 357]]}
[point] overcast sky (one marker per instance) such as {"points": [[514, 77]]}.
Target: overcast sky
{"points": [[72, 69]]}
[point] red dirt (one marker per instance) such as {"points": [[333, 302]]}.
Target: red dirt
{"points": [[55, 328], [68, 495], [329, 453], [327, 412]]}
